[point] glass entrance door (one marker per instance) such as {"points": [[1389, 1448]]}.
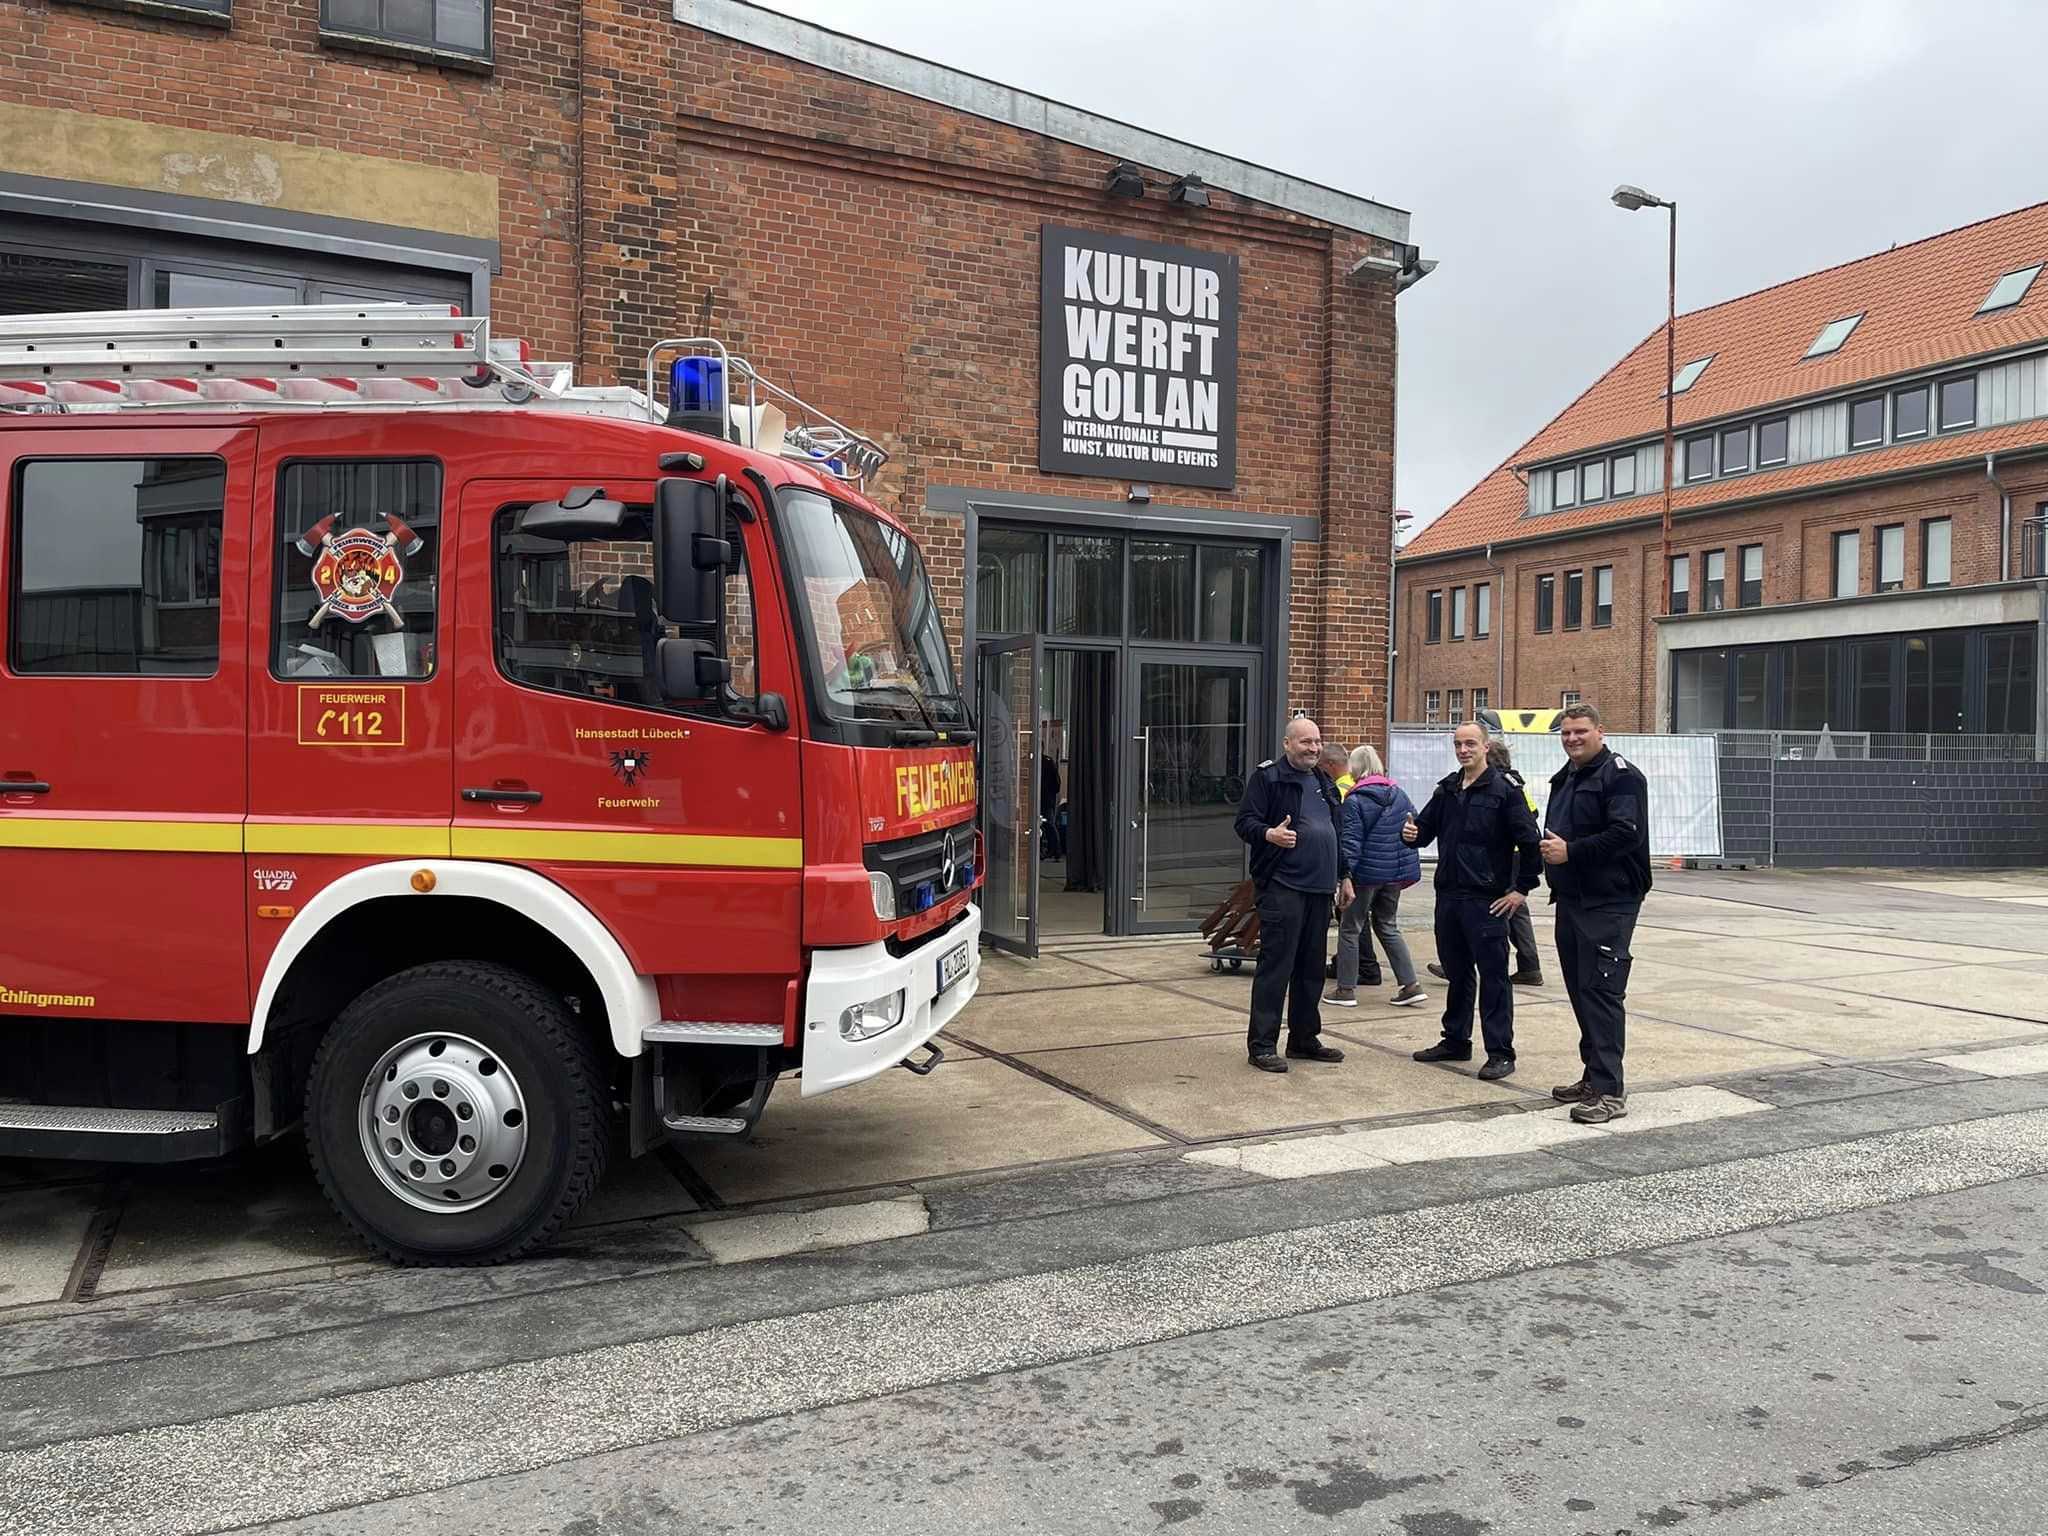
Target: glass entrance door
{"points": [[1190, 749], [1012, 727]]}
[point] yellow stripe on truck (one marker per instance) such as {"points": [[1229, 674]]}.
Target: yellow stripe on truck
{"points": [[121, 836], [630, 848], [375, 840]]}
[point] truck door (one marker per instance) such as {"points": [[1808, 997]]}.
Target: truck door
{"points": [[122, 782], [679, 825], [351, 695]]}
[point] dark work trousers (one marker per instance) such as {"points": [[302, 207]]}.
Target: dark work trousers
{"points": [[1592, 951], [1294, 935], [1469, 937], [1522, 934]]}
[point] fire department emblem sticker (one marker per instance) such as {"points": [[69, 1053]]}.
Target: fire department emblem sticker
{"points": [[357, 570], [630, 764]]}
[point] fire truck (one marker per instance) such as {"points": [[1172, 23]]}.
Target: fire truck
{"points": [[480, 772]]}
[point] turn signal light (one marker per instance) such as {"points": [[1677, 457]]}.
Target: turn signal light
{"points": [[423, 880]]}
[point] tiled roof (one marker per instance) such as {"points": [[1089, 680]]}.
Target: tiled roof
{"points": [[1919, 305]]}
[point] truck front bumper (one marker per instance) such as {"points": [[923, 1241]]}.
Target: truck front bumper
{"points": [[841, 979]]}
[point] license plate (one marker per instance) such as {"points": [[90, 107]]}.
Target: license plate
{"points": [[952, 966]]}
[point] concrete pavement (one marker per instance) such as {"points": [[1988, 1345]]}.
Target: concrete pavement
{"points": [[1108, 1054]]}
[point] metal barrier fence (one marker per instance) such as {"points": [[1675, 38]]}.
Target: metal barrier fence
{"points": [[1895, 746]]}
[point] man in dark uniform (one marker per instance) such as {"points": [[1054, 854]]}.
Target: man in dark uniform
{"points": [[1596, 853], [1479, 822], [1289, 817]]}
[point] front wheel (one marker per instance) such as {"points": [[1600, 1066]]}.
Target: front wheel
{"points": [[456, 1114]]}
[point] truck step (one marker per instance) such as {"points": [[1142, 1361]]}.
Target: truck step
{"points": [[111, 1135], [708, 1125], [710, 1032]]}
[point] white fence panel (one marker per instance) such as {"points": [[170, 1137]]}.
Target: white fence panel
{"points": [[1684, 774]]}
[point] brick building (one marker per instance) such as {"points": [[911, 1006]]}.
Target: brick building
{"points": [[880, 234], [1861, 478]]}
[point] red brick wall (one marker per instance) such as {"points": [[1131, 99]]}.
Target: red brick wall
{"points": [[876, 253], [1614, 668]]}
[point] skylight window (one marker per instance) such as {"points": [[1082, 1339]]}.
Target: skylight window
{"points": [[1833, 334], [2009, 289], [1689, 375]]}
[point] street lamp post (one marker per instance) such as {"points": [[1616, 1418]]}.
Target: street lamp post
{"points": [[1633, 198]]}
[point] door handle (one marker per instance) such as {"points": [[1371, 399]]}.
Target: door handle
{"points": [[502, 796], [23, 787]]}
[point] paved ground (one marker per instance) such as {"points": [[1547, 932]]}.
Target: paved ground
{"points": [[1132, 1053]]}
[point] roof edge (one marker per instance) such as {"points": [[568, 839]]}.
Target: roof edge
{"points": [[1764, 499], [874, 64]]}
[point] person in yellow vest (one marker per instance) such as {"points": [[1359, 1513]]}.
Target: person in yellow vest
{"points": [[1337, 764]]}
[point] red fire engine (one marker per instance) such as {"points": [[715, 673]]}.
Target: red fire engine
{"points": [[397, 740]]}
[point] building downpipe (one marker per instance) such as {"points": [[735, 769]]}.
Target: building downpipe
{"points": [[2004, 518], [1500, 633]]}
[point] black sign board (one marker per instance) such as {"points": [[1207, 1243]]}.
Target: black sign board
{"points": [[1137, 360]]}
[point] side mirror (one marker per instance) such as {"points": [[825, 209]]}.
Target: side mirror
{"points": [[690, 557], [690, 669]]}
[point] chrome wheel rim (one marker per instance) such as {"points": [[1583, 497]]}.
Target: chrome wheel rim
{"points": [[443, 1122]]}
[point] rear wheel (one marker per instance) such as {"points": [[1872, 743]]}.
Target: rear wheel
{"points": [[456, 1114]]}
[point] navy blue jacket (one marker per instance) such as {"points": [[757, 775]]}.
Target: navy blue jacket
{"points": [[1602, 812], [1268, 801], [1478, 832], [1369, 842]]}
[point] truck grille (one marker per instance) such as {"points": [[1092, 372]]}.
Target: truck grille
{"points": [[926, 869]]}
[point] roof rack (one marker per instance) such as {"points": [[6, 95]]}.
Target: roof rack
{"points": [[329, 355], [827, 445]]}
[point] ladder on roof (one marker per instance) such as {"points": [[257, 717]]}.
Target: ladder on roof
{"points": [[322, 355], [313, 354]]}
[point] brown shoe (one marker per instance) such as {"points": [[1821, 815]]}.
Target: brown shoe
{"points": [[1409, 996], [1573, 1093], [1598, 1109]]}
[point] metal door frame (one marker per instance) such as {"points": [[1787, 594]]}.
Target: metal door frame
{"points": [[1032, 645], [1129, 867]]}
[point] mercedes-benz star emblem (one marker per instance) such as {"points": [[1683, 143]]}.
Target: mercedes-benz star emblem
{"points": [[950, 867]]}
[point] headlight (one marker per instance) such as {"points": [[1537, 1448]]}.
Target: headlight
{"points": [[883, 890], [865, 1020]]}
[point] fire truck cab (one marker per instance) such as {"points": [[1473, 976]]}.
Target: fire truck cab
{"points": [[478, 772]]}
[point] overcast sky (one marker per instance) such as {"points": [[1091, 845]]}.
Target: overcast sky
{"points": [[1795, 134]]}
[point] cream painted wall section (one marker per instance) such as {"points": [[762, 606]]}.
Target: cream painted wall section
{"points": [[119, 152]]}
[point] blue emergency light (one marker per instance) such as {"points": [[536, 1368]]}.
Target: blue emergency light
{"points": [[696, 386]]}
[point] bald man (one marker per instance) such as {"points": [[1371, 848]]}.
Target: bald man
{"points": [[1289, 817]]}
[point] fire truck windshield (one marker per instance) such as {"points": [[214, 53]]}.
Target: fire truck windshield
{"points": [[877, 643]]}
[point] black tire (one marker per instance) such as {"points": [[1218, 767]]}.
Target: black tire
{"points": [[566, 1114]]}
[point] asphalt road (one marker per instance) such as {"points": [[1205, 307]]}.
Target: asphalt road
{"points": [[1825, 1317]]}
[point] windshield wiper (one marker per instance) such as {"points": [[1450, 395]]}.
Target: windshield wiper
{"points": [[909, 736]]}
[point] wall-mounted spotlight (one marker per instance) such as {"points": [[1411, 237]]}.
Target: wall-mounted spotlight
{"points": [[1126, 180], [1190, 191], [1140, 493]]}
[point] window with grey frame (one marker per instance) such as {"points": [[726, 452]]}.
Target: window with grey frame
{"points": [[1714, 586], [1909, 412], [1434, 631], [1734, 450], [1935, 536], [1621, 475], [1773, 441], [1958, 398], [1603, 596], [1564, 487], [1546, 604], [1482, 610], [1848, 558], [1749, 576], [1699, 458], [1593, 481], [1866, 422], [1009, 581], [1457, 613], [1681, 583], [453, 26], [1891, 558], [1574, 598]]}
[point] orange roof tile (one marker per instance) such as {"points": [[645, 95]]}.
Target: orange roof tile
{"points": [[1920, 310]]}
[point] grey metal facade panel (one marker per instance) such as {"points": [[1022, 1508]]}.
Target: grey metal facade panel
{"points": [[1135, 516], [1818, 432], [2013, 391], [861, 60]]}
